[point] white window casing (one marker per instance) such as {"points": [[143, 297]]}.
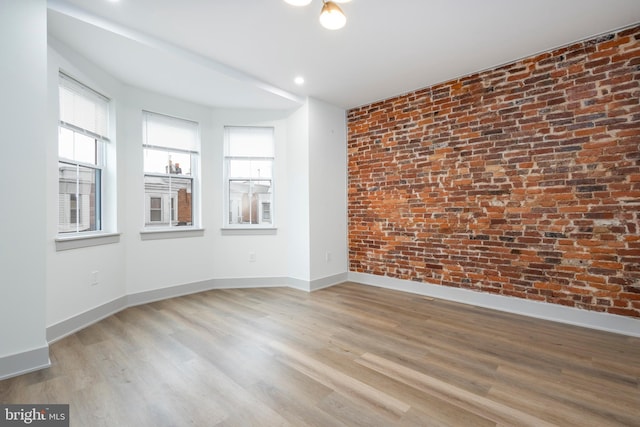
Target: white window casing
{"points": [[83, 132], [249, 159], [171, 151]]}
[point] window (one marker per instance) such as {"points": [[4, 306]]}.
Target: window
{"points": [[82, 135], [155, 209], [249, 158], [73, 208], [171, 156]]}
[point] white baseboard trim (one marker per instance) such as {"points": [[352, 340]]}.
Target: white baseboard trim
{"points": [[39, 358], [316, 284], [299, 284], [69, 326], [540, 310], [326, 282], [205, 285], [25, 362], [80, 321]]}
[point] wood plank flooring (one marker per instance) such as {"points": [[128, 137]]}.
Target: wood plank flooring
{"points": [[349, 355]]}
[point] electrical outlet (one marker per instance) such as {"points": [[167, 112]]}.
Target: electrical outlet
{"points": [[94, 278], [252, 257], [327, 256]]}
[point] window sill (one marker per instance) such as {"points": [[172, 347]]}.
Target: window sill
{"points": [[248, 231], [171, 233], [77, 241]]}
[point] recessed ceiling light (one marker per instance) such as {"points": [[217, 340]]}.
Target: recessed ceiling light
{"points": [[299, 80]]}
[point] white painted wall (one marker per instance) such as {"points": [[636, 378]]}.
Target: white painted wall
{"points": [[134, 265], [298, 255], [309, 142], [69, 273], [155, 264], [231, 252], [328, 189], [23, 77]]}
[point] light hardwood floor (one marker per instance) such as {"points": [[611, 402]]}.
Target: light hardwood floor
{"points": [[346, 355]]}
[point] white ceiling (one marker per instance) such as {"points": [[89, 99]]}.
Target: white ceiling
{"points": [[246, 53]]}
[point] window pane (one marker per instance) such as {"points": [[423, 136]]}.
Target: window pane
{"points": [[250, 168], [65, 143], [76, 146], [155, 161], [262, 187], [183, 206], [180, 163], [266, 212], [88, 208], [262, 192], [155, 212], [85, 149], [155, 215], [163, 161], [73, 208], [239, 206], [170, 200], [157, 190], [239, 168], [247, 201], [261, 169], [79, 205]]}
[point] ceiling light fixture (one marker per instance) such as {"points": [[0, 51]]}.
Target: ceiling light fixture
{"points": [[331, 16]]}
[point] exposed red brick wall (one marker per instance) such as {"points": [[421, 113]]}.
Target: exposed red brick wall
{"points": [[523, 180], [185, 214]]}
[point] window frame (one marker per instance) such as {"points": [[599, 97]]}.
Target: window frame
{"points": [[252, 180], [170, 221], [100, 140], [153, 209]]}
